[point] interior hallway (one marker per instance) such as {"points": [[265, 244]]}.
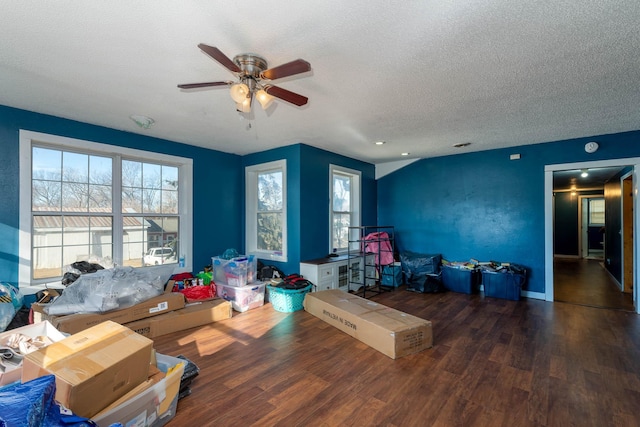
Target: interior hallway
{"points": [[587, 282]]}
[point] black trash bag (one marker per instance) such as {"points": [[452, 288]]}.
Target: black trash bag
{"points": [[433, 284], [191, 371], [86, 267], [426, 284], [268, 272], [69, 277], [417, 268]]}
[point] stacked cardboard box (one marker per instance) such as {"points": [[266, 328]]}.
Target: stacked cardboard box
{"points": [[93, 368], [106, 369], [157, 316], [107, 373]]}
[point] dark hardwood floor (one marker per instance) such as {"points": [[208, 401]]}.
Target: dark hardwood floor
{"points": [[587, 282], [494, 363]]}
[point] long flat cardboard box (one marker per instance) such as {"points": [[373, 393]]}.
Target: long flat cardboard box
{"points": [[196, 314], [74, 323], [390, 331], [94, 367]]}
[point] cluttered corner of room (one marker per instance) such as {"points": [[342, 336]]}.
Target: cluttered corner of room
{"points": [[199, 287]]}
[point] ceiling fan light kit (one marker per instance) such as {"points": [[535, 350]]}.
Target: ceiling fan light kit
{"points": [[239, 92], [251, 70]]}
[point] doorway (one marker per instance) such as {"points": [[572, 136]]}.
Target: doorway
{"points": [[591, 214], [627, 258]]}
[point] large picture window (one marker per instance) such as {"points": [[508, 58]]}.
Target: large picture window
{"points": [[345, 206], [266, 210], [84, 201]]}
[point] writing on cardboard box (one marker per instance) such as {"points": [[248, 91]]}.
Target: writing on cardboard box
{"points": [[337, 318], [413, 340]]}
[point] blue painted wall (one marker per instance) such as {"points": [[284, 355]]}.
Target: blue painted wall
{"points": [[308, 198], [483, 205], [217, 183], [314, 179], [477, 205]]}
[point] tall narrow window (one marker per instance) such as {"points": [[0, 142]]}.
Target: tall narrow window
{"points": [[345, 206], [150, 210], [92, 202], [266, 216], [71, 208]]}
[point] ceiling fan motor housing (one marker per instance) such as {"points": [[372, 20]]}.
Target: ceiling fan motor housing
{"points": [[251, 65]]}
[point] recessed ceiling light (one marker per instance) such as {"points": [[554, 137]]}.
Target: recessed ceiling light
{"points": [[462, 144], [379, 142], [143, 121], [404, 154]]}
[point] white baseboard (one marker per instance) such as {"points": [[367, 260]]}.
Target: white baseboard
{"points": [[533, 295]]}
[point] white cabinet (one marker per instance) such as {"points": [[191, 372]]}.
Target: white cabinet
{"points": [[330, 272]]}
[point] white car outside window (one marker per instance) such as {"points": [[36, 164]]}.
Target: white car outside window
{"points": [[157, 256]]}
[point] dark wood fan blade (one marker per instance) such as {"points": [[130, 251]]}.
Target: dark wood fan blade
{"points": [[208, 84], [217, 54], [289, 69], [286, 95]]}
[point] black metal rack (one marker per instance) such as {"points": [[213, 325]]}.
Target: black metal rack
{"points": [[371, 248]]}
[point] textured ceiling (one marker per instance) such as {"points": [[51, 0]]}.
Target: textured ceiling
{"points": [[420, 75]]}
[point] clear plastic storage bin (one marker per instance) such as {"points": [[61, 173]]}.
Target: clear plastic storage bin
{"points": [[243, 298], [236, 271]]}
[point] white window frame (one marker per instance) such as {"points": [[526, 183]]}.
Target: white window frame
{"points": [[251, 210], [590, 202], [185, 198], [356, 203]]}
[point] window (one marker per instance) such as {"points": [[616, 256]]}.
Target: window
{"points": [[84, 201], [596, 211], [345, 206], [266, 210]]}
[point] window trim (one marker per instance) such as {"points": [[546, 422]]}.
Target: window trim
{"points": [[356, 203], [251, 210], [28, 138]]}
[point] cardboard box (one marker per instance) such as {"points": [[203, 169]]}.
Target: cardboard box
{"points": [[41, 329], [94, 367], [196, 314], [154, 406], [392, 332], [74, 323]]}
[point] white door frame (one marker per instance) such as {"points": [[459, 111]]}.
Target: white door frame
{"points": [[548, 217]]}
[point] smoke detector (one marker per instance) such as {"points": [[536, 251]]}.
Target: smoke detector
{"points": [[591, 147]]}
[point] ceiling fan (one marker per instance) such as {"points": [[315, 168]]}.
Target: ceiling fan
{"points": [[251, 71]]}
